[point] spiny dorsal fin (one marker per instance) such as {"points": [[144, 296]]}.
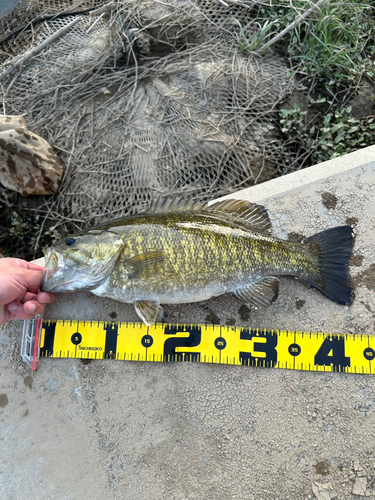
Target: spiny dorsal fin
{"points": [[174, 204], [246, 212], [241, 211]]}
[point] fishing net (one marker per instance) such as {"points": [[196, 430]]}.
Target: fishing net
{"points": [[140, 98]]}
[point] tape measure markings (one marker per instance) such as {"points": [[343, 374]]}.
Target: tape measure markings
{"points": [[208, 344]]}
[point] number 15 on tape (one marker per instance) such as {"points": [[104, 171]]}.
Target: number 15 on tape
{"points": [[200, 343]]}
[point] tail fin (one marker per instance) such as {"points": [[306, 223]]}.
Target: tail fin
{"points": [[331, 250]]}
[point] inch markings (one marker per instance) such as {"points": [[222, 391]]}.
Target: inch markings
{"points": [[208, 344]]}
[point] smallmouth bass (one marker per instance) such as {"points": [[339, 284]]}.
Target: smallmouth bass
{"points": [[184, 251]]}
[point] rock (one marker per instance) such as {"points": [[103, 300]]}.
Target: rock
{"points": [[362, 104], [357, 465], [11, 122], [324, 491], [28, 164], [360, 486]]}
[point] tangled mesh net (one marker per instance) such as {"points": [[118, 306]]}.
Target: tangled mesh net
{"points": [[141, 98]]}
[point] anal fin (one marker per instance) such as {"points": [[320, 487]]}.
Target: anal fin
{"points": [[260, 293]]}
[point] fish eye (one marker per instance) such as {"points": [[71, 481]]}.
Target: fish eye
{"points": [[70, 241]]}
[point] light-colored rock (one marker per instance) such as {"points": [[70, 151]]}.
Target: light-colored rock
{"points": [[357, 466], [360, 486], [28, 163], [323, 491], [11, 122]]}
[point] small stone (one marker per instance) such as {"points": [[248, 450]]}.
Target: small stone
{"points": [[357, 465], [360, 486], [323, 491], [360, 473]]}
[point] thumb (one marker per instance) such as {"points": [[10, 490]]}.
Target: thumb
{"points": [[33, 278]]}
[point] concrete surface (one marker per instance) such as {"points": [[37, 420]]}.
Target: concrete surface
{"points": [[122, 430]]}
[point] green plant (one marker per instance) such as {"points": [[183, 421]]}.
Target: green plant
{"points": [[250, 39], [342, 133], [22, 233], [292, 120], [337, 134], [331, 44]]}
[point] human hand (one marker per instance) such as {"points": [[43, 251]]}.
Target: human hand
{"points": [[20, 297]]}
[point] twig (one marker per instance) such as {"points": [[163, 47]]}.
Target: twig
{"points": [[105, 8], [240, 4], [33, 52], [295, 23], [94, 23]]}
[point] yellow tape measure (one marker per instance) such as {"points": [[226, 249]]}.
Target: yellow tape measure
{"points": [[208, 344]]}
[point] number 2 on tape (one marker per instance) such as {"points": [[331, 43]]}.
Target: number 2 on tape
{"points": [[208, 343]]}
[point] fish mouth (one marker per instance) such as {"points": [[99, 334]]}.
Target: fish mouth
{"points": [[51, 259], [62, 286], [59, 278], [53, 263]]}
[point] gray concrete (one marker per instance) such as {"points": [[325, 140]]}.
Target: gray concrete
{"points": [[121, 430]]}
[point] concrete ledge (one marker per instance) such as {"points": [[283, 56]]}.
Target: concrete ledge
{"points": [[141, 431]]}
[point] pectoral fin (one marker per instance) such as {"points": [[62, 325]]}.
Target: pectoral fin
{"points": [[147, 310], [146, 264], [260, 293]]}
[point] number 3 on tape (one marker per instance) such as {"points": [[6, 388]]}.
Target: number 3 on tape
{"points": [[202, 344]]}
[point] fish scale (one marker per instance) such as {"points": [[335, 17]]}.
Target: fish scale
{"points": [[187, 252]]}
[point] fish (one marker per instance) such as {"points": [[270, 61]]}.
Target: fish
{"points": [[184, 251]]}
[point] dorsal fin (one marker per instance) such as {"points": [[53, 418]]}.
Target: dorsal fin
{"points": [[241, 211], [174, 204]]}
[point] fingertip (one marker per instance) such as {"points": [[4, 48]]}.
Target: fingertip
{"points": [[29, 307], [36, 267], [46, 298], [33, 307]]}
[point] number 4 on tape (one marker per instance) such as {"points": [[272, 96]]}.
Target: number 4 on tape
{"points": [[198, 343]]}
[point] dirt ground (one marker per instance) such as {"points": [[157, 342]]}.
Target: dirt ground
{"points": [[112, 429]]}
